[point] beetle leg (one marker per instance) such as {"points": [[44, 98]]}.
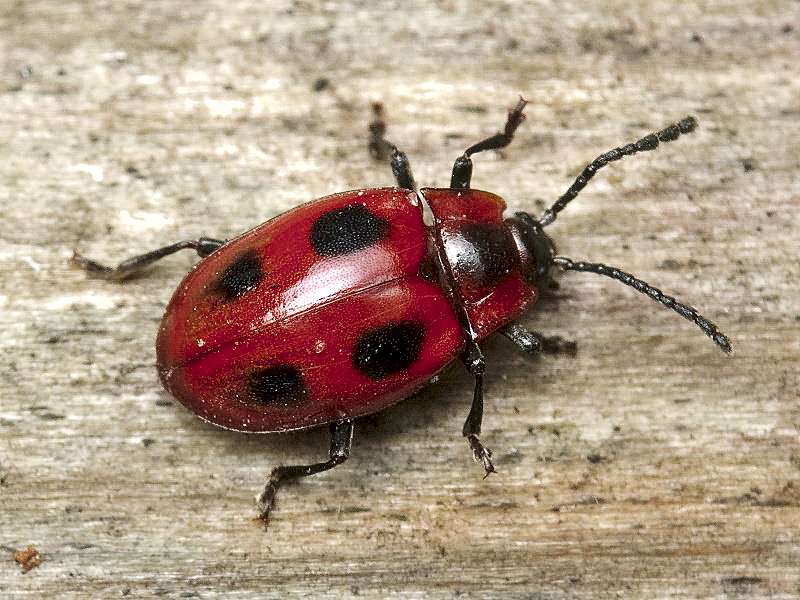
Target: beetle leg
{"points": [[476, 365], [462, 169], [381, 148], [401, 169], [204, 246], [341, 441], [533, 343]]}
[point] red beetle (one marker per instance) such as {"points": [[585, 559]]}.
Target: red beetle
{"points": [[348, 304]]}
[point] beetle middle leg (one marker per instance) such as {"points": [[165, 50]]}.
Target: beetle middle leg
{"points": [[127, 268], [341, 441], [476, 365]]}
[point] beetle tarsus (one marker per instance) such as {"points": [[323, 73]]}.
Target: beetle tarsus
{"points": [[132, 266], [266, 498], [481, 454], [93, 269]]}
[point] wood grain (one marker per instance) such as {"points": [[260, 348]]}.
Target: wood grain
{"points": [[649, 466]]}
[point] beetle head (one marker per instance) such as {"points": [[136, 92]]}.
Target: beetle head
{"points": [[536, 249]]}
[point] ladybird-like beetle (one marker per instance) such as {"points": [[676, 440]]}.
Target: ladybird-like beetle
{"points": [[350, 303]]}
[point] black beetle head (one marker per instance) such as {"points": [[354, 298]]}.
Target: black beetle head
{"points": [[536, 249]]}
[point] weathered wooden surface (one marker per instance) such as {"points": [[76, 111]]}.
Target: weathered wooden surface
{"points": [[648, 466]]}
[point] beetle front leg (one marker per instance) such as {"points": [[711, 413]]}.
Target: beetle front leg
{"points": [[476, 365], [341, 441], [127, 268], [462, 169], [533, 343]]}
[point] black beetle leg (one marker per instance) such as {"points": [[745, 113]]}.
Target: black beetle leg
{"points": [[534, 343], [204, 246], [401, 169], [341, 441], [476, 365], [462, 169]]}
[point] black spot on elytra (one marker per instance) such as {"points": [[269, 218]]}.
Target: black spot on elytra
{"points": [[282, 384], [347, 230], [388, 350], [487, 253], [241, 276]]}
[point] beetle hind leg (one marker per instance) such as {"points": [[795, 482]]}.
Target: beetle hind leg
{"points": [[476, 365], [127, 268], [341, 441]]}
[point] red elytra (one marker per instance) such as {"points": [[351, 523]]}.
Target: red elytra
{"points": [[348, 304], [281, 354]]}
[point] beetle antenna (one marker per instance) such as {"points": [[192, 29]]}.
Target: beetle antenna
{"points": [[648, 142], [687, 312]]}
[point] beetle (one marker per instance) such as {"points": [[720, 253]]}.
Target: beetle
{"points": [[347, 304]]}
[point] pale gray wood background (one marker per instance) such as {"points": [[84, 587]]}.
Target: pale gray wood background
{"points": [[648, 466]]}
